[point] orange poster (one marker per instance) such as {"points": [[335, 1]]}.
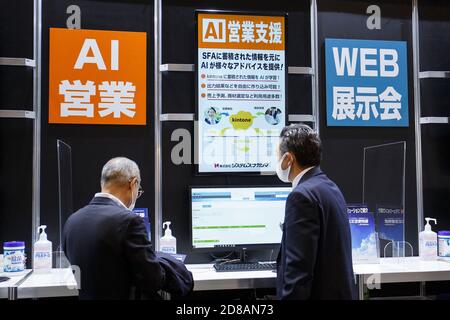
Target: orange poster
{"points": [[97, 77], [241, 31]]}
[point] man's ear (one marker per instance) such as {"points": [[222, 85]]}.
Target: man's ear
{"points": [[287, 160], [132, 182], [292, 159]]}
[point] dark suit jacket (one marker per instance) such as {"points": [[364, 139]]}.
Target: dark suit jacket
{"points": [[110, 246], [315, 259]]}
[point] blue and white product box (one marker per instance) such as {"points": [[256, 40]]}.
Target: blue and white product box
{"points": [[14, 256], [366, 83], [364, 236], [444, 244], [143, 213], [391, 223]]}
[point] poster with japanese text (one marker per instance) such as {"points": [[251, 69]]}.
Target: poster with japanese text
{"points": [[391, 223], [365, 243], [143, 213], [240, 91], [97, 77], [366, 83]]}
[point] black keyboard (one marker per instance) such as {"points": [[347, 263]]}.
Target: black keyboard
{"points": [[257, 266]]}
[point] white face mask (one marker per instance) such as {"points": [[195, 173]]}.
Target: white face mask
{"points": [[283, 174], [131, 207]]}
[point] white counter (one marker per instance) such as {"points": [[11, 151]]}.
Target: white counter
{"points": [[48, 284], [388, 270], [398, 270], [14, 278], [206, 278], [61, 282]]}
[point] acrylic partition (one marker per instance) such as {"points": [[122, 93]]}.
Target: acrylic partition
{"points": [[65, 196], [384, 197]]}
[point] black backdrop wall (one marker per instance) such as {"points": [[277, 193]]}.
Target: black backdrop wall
{"points": [[16, 135], [179, 97], [435, 95], [343, 147], [92, 146]]}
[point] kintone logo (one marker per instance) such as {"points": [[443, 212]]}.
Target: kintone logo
{"points": [[214, 30]]}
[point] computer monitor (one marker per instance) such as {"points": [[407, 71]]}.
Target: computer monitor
{"points": [[229, 218]]}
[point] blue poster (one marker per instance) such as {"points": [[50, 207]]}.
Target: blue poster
{"points": [[391, 223], [143, 213], [364, 237], [366, 83]]}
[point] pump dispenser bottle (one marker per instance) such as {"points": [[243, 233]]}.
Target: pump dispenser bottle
{"points": [[428, 242], [168, 243], [42, 258]]}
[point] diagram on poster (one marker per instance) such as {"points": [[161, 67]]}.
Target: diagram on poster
{"points": [[241, 91]]}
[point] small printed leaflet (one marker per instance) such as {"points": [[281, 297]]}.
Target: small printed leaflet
{"points": [[143, 213], [390, 223], [364, 237]]}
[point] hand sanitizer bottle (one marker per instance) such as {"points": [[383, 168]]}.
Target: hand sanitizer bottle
{"points": [[428, 242], [42, 258], [168, 243]]}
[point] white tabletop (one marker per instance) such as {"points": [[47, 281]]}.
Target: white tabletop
{"points": [[388, 270], [61, 282], [14, 277], [206, 278], [409, 269], [48, 283]]}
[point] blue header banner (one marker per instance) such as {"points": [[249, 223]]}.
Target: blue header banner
{"points": [[366, 83]]}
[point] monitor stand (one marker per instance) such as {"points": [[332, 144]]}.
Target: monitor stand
{"points": [[243, 255], [240, 257]]}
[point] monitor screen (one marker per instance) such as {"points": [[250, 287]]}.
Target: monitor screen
{"points": [[230, 217]]}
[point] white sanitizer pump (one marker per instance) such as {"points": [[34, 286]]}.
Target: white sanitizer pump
{"points": [[42, 258], [168, 243], [428, 242]]}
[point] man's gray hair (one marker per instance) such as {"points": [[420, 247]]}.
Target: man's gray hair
{"points": [[119, 171]]}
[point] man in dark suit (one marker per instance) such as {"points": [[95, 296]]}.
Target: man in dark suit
{"points": [[110, 245], [315, 259]]}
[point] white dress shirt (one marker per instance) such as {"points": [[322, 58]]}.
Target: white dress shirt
{"points": [[299, 176], [110, 196]]}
